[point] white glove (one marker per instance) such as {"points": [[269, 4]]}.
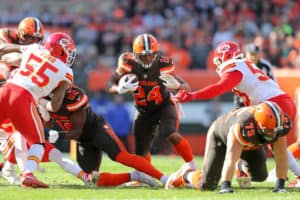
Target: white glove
{"points": [[44, 113], [126, 84], [53, 136], [43, 102], [170, 81]]}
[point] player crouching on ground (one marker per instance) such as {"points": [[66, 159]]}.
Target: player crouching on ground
{"points": [[244, 130]]}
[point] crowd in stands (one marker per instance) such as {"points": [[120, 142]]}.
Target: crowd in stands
{"points": [[188, 30]]}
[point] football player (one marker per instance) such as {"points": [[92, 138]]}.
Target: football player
{"points": [[152, 95], [30, 30], [94, 136], [14, 143], [247, 129], [44, 70], [253, 54], [249, 82]]}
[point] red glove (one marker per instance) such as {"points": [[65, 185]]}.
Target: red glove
{"points": [[183, 96]]}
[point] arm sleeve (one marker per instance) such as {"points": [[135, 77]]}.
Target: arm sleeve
{"points": [[227, 82]]}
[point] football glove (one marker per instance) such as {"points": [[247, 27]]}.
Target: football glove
{"points": [[44, 113], [170, 81], [183, 96], [127, 84], [53, 136]]}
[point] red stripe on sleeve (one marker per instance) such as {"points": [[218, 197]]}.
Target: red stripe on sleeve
{"points": [[227, 82]]}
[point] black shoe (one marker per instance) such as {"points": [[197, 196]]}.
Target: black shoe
{"points": [[226, 190]]}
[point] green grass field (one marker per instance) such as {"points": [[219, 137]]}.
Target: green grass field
{"points": [[65, 186]]}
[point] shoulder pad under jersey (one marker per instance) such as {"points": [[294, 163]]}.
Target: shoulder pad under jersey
{"points": [[75, 99], [125, 62], [166, 64]]}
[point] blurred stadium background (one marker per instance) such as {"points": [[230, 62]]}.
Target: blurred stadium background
{"points": [[187, 30]]}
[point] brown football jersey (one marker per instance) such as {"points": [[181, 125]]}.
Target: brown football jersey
{"points": [[74, 100], [151, 92], [244, 127]]}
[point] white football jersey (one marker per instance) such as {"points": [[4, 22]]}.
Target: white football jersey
{"points": [[39, 72], [255, 85]]}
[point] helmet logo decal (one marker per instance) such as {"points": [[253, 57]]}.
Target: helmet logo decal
{"points": [[64, 42], [224, 48]]}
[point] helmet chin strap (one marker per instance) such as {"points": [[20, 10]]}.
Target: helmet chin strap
{"points": [[147, 66]]}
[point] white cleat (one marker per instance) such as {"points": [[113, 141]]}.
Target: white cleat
{"points": [[176, 179], [9, 173], [272, 176], [12, 178]]}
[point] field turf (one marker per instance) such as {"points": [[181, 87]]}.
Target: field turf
{"points": [[65, 186]]}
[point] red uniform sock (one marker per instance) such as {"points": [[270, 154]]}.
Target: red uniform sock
{"points": [[148, 157], [108, 179], [139, 163], [184, 149], [295, 149]]}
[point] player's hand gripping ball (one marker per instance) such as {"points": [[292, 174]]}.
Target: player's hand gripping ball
{"points": [[128, 83]]}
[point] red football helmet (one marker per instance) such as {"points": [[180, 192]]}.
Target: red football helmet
{"points": [[61, 46], [225, 51]]}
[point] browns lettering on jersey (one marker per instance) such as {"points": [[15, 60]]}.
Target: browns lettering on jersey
{"points": [[151, 93]]}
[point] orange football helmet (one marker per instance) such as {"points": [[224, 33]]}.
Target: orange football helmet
{"points": [[270, 120], [30, 30], [226, 51], [145, 49], [61, 46]]}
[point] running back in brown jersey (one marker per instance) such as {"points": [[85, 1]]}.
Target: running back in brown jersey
{"points": [[151, 93], [156, 80]]}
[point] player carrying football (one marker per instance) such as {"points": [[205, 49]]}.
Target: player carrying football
{"points": [[151, 91]]}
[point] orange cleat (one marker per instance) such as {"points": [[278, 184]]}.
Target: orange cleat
{"points": [[196, 179], [29, 180], [176, 179]]}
